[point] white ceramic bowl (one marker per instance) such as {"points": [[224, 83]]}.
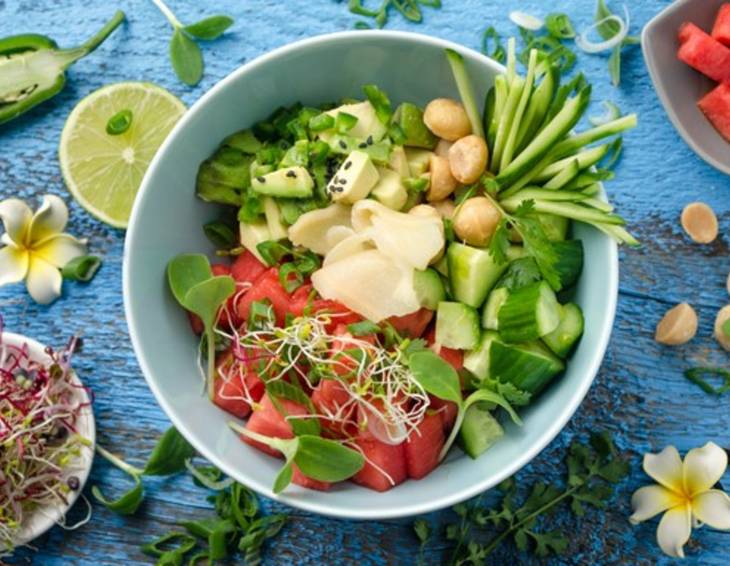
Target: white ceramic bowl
{"points": [[167, 220], [44, 518]]}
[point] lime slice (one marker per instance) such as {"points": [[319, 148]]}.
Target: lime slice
{"points": [[103, 172]]}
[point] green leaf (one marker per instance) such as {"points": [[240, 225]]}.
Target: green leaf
{"points": [[127, 503], [380, 102], [520, 539], [282, 390], [500, 244], [220, 234], [364, 328], [82, 268], [273, 251], [170, 454], [436, 376], [327, 460], [283, 478], [186, 58], [209, 28], [206, 297], [538, 246], [492, 397], [422, 530], [119, 123], [185, 271]]}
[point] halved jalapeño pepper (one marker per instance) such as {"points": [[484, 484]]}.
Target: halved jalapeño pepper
{"points": [[33, 68]]}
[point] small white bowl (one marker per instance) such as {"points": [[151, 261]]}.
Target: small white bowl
{"points": [[43, 519]]}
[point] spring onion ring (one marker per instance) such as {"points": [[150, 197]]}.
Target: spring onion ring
{"points": [[526, 21], [584, 43]]}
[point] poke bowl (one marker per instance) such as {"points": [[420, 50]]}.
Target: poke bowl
{"points": [[168, 256]]}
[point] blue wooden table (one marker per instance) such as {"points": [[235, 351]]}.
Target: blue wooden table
{"points": [[639, 394]]}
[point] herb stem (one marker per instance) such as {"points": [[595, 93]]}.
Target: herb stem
{"points": [[174, 22], [118, 462], [94, 42]]}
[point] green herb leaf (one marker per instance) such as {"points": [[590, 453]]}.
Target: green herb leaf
{"points": [[119, 123], [364, 328], [209, 28], [282, 390], [380, 102], [185, 271], [491, 397], [169, 455], [327, 460], [186, 58], [436, 376], [499, 244], [422, 530], [273, 251], [698, 377], [125, 504], [206, 297], [207, 476], [220, 234], [283, 478], [82, 268], [559, 26]]}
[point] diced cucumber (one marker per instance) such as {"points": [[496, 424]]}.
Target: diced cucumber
{"points": [[429, 288], [472, 272], [555, 227], [529, 313], [566, 335], [410, 119], [457, 326], [495, 301], [529, 367], [570, 261], [477, 360], [479, 430], [442, 266]]}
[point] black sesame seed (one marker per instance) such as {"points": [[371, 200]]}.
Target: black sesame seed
{"points": [[362, 145], [291, 174], [348, 164], [370, 140], [260, 179], [342, 181], [73, 482], [343, 145]]}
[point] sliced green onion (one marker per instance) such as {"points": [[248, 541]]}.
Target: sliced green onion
{"points": [[497, 52], [526, 21], [82, 268], [612, 112], [119, 123], [559, 26]]}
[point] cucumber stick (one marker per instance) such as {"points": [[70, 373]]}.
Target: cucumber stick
{"points": [[570, 172], [509, 149], [586, 159], [472, 273], [529, 366], [539, 147], [566, 335], [529, 313], [466, 92], [490, 314], [505, 122], [501, 92], [477, 359], [457, 326], [576, 142], [479, 430], [538, 107]]}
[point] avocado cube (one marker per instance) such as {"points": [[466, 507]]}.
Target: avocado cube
{"points": [[354, 180]]}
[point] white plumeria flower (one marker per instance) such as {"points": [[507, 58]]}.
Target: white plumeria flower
{"points": [[34, 246], [684, 493]]}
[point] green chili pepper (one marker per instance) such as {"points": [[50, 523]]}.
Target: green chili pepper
{"points": [[32, 68]]}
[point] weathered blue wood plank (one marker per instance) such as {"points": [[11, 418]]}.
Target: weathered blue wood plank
{"points": [[639, 395]]}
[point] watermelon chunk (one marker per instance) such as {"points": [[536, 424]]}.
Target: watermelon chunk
{"points": [[721, 29], [424, 446], [230, 396], [703, 53], [412, 325], [268, 421], [300, 479], [267, 286], [380, 456], [447, 410], [454, 357], [247, 268], [716, 106]]}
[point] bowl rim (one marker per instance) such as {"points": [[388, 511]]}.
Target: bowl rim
{"points": [[662, 93], [318, 504], [38, 523]]}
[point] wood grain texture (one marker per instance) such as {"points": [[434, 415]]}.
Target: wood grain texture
{"points": [[639, 395]]}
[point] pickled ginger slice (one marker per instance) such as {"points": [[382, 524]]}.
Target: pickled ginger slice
{"points": [[311, 228]]}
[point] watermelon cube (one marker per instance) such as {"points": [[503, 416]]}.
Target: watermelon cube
{"points": [[230, 394], [300, 479], [379, 458], [703, 53], [266, 420], [716, 106], [247, 268], [721, 29], [412, 325], [447, 410], [424, 446]]}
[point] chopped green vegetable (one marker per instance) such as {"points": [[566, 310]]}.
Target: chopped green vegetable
{"points": [[119, 123], [82, 268]]}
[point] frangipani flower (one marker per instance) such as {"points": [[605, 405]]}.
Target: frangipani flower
{"points": [[684, 493], [34, 246]]}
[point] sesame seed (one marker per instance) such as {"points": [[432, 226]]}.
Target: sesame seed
{"points": [[370, 140], [291, 174], [260, 179], [362, 145], [343, 145], [348, 164]]}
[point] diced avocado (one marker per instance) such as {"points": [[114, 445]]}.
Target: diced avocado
{"points": [[479, 430], [410, 119], [354, 180], [529, 367], [457, 326], [259, 170], [477, 360], [529, 313], [390, 190], [490, 315], [292, 182], [379, 152], [472, 273], [296, 155], [367, 121], [399, 161], [244, 141], [418, 160], [566, 335], [277, 228], [429, 288], [224, 177], [253, 234]]}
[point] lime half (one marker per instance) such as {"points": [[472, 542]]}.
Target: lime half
{"points": [[102, 171]]}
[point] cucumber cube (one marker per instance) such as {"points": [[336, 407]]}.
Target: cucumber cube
{"points": [[457, 326], [479, 431], [564, 337], [472, 273], [490, 315]]}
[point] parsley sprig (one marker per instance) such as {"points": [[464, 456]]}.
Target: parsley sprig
{"points": [[591, 471]]}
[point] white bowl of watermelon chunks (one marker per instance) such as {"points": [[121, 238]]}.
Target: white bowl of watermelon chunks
{"points": [[687, 51]]}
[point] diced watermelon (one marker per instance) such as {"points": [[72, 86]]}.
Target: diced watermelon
{"points": [[424, 446], [300, 299], [703, 53], [339, 313], [716, 106], [268, 421], [247, 268], [412, 325], [300, 479], [267, 286], [230, 393], [721, 29], [447, 410], [229, 314], [195, 323], [380, 456], [454, 357]]}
